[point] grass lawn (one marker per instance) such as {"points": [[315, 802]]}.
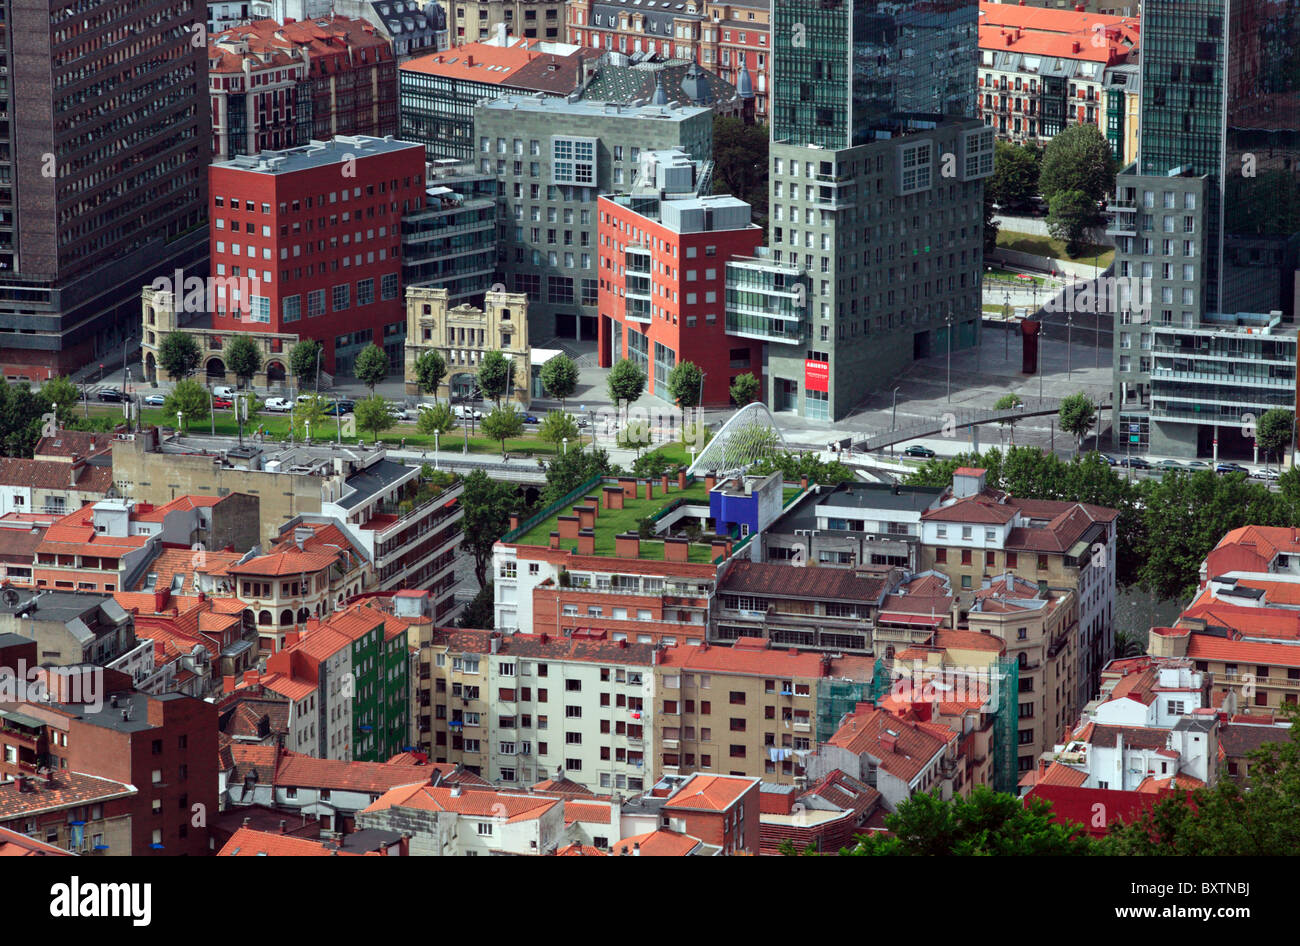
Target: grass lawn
{"points": [[1046, 246], [1007, 275], [277, 427], [614, 522]]}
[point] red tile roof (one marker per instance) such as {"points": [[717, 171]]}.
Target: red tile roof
{"points": [[249, 842], [468, 801], [588, 812], [304, 771], [69, 789], [580, 850], [744, 660], [661, 843], [1206, 647], [13, 844], [915, 746], [710, 792], [776, 578]]}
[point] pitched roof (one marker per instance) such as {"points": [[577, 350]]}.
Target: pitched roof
{"points": [[1206, 647], [306, 771], [710, 792], [69, 789], [249, 842], [66, 444], [580, 850], [661, 843], [746, 656], [868, 733], [468, 801], [776, 578], [563, 786], [55, 475], [588, 812], [13, 844]]}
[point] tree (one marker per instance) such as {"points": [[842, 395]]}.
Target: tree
{"points": [[64, 395], [179, 354], [986, 823], [795, 466], [556, 427], [302, 361], [438, 419], [243, 358], [568, 471], [741, 163], [1009, 402], [1078, 159], [626, 382], [1070, 215], [496, 374], [21, 410], [1273, 432], [430, 369], [560, 377], [487, 504], [685, 386], [744, 390], [1128, 644], [502, 424], [310, 415], [1077, 415], [372, 415], [1015, 175], [189, 398], [371, 366], [652, 465], [480, 613]]}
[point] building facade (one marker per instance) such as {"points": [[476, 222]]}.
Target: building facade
{"points": [[463, 335]]}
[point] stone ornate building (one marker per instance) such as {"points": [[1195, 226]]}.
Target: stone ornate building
{"points": [[464, 334]]}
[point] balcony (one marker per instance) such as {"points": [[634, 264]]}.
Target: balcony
{"points": [[801, 727], [668, 744]]}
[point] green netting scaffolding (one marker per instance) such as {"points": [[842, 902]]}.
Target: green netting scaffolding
{"points": [[837, 697], [1005, 687]]}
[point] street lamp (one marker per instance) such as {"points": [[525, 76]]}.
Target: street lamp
{"points": [[1069, 332], [436, 434], [320, 350], [948, 322], [180, 416], [893, 418], [212, 414], [566, 446], [1006, 322]]}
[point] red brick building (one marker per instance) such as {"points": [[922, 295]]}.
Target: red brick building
{"points": [[663, 253], [721, 810], [308, 241], [276, 86], [165, 746]]}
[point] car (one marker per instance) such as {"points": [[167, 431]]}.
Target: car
{"points": [[155, 400], [1135, 463], [463, 412], [1197, 465], [1230, 468], [111, 394], [222, 403], [583, 423], [1169, 465], [532, 419], [1110, 461], [277, 405], [916, 450], [225, 391], [1266, 474], [344, 406]]}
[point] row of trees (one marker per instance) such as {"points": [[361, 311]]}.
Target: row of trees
{"points": [[23, 408], [1218, 821]]}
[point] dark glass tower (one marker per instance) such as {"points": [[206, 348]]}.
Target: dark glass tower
{"points": [[854, 68], [1221, 98]]}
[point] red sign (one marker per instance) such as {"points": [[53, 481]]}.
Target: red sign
{"points": [[816, 376]]}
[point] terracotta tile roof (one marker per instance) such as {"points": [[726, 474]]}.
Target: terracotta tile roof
{"points": [[293, 688], [13, 844], [661, 843], [547, 647], [1135, 737], [710, 792], [55, 475], [20, 545], [562, 786], [69, 789], [305, 771], [187, 563], [1137, 686], [252, 759], [968, 640], [1060, 774], [588, 812], [753, 661], [469, 801], [778, 579], [289, 562], [844, 792], [1205, 647], [580, 850], [1154, 785], [519, 65], [1239, 738], [66, 444], [867, 732], [972, 509], [249, 842]]}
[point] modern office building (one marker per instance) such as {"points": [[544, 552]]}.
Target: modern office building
{"points": [[1207, 216], [554, 158], [876, 193], [103, 156], [314, 234], [663, 253], [452, 242]]}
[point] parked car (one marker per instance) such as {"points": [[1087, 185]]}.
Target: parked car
{"points": [[462, 412], [1197, 465], [111, 394], [222, 403], [1230, 468], [1266, 474], [344, 406], [155, 400], [532, 419], [1169, 465], [1110, 461], [222, 390], [1136, 463], [277, 405], [916, 450]]}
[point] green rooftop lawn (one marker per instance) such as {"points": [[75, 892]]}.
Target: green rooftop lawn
{"points": [[613, 522]]}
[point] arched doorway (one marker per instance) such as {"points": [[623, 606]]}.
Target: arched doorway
{"points": [[216, 370], [286, 617], [249, 619], [275, 372], [150, 367], [462, 385]]}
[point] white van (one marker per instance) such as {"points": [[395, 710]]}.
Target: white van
{"points": [[225, 391]]}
